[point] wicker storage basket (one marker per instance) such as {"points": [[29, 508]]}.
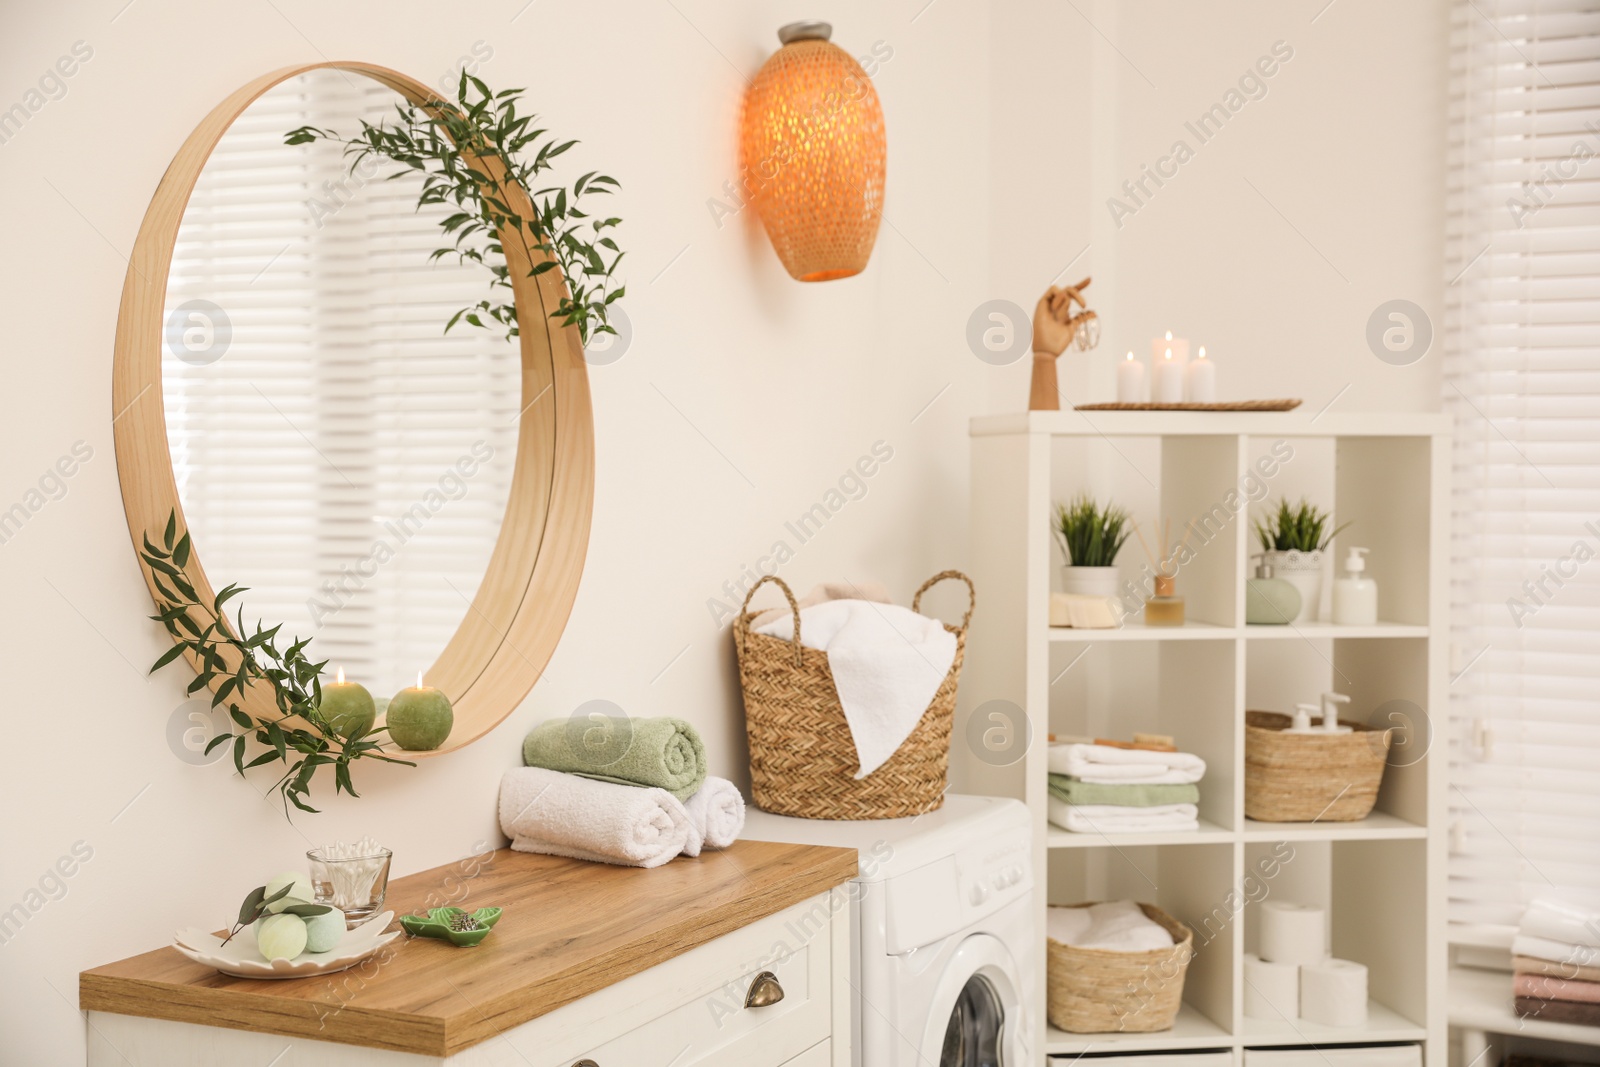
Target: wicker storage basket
{"points": [[1307, 777], [1093, 991], [802, 758]]}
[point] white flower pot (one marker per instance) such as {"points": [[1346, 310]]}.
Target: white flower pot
{"points": [[1303, 570], [1089, 581]]}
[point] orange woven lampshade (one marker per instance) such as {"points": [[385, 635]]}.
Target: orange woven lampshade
{"points": [[813, 152]]}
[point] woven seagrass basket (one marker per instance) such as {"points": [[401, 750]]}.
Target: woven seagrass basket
{"points": [[1311, 778], [802, 758], [1095, 991]]}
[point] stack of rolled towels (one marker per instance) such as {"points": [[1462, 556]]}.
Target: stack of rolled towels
{"points": [[1294, 977], [1556, 961], [1101, 788], [628, 791]]}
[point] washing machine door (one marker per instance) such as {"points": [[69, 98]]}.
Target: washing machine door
{"points": [[976, 1017]]}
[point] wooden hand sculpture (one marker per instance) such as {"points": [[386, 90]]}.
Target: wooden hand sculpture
{"points": [[1054, 327]]}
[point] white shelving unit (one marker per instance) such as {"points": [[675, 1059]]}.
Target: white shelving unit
{"points": [[1382, 879]]}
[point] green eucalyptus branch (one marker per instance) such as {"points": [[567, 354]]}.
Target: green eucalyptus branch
{"points": [[204, 632], [478, 155]]}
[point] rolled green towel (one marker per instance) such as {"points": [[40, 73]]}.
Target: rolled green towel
{"points": [[665, 753], [1071, 791]]}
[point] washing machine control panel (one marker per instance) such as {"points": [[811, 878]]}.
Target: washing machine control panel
{"points": [[956, 892]]}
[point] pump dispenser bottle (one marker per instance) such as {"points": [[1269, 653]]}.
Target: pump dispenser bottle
{"points": [[1355, 596]]}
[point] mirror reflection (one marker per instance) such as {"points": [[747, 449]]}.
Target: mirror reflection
{"points": [[335, 450]]}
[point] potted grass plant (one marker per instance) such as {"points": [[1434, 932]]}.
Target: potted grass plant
{"points": [[1090, 537], [1293, 539]]}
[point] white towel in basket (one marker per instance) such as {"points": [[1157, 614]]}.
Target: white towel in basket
{"points": [[887, 663]]}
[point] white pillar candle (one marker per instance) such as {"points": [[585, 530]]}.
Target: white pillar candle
{"points": [[1169, 380], [1179, 346], [1201, 377], [1130, 381]]}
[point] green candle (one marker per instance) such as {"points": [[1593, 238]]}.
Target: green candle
{"points": [[420, 717], [347, 707]]}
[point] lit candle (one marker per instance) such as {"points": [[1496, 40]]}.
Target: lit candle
{"points": [[347, 707], [419, 717], [1201, 379], [1179, 346], [1130, 381], [1169, 380]]}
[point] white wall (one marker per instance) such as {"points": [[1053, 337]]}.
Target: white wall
{"points": [[744, 396]]}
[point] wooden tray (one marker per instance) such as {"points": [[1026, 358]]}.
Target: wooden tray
{"points": [[1230, 405]]}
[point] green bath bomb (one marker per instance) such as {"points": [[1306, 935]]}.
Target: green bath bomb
{"points": [[420, 718], [348, 708], [300, 891], [325, 931], [281, 937]]}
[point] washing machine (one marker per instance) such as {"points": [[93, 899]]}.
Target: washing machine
{"points": [[942, 959]]}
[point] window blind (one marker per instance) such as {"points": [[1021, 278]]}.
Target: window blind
{"points": [[1522, 380], [342, 456]]}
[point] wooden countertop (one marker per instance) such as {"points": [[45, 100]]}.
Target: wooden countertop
{"points": [[570, 929]]}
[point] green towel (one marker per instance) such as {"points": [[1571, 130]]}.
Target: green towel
{"points": [[665, 753], [1071, 791]]}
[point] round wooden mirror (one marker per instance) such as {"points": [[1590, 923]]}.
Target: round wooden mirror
{"points": [[221, 433]]}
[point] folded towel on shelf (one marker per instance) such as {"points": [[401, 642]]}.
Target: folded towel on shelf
{"points": [[1137, 766], [716, 816], [570, 815], [876, 592], [1574, 921], [1570, 971], [1117, 926], [1543, 948], [1112, 819], [1073, 791], [887, 664], [1545, 987], [663, 753], [1559, 1011]]}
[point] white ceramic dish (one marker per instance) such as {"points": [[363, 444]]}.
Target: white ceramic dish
{"points": [[242, 959]]}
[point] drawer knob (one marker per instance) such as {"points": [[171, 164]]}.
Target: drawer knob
{"points": [[764, 991]]}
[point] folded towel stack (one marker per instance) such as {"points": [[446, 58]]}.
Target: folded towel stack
{"points": [[1120, 926], [1556, 960], [1106, 789], [640, 806]]}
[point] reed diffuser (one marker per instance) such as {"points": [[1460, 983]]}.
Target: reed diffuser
{"points": [[1166, 607]]}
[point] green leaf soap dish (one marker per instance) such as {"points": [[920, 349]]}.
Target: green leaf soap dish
{"points": [[461, 928]]}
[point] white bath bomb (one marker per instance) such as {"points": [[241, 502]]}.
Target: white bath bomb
{"points": [[300, 891], [281, 937], [325, 931]]}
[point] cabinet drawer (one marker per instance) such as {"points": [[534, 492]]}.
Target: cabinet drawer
{"points": [[690, 1011], [815, 1056]]}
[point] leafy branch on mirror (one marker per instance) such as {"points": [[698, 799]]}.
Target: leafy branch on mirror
{"points": [[478, 155], [300, 737]]}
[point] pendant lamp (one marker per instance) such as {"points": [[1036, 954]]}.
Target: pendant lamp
{"points": [[813, 152]]}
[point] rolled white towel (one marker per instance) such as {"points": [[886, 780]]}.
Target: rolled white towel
{"points": [[716, 816], [1116, 819], [565, 815], [1117, 926], [1132, 766]]}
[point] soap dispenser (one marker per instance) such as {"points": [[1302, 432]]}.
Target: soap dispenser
{"points": [[1355, 597], [1302, 720], [1268, 599], [1330, 713]]}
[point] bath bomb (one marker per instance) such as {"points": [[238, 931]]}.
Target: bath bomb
{"points": [[281, 937], [299, 893], [420, 718], [325, 931], [348, 708]]}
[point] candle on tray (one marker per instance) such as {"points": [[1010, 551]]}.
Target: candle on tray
{"points": [[1130, 381], [420, 717], [1201, 378], [347, 707], [1179, 346], [1169, 380]]}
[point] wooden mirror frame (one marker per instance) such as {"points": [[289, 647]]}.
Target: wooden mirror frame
{"points": [[522, 604]]}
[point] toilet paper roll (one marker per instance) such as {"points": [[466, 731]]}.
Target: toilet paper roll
{"points": [[1334, 993], [1293, 933], [1271, 990]]}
